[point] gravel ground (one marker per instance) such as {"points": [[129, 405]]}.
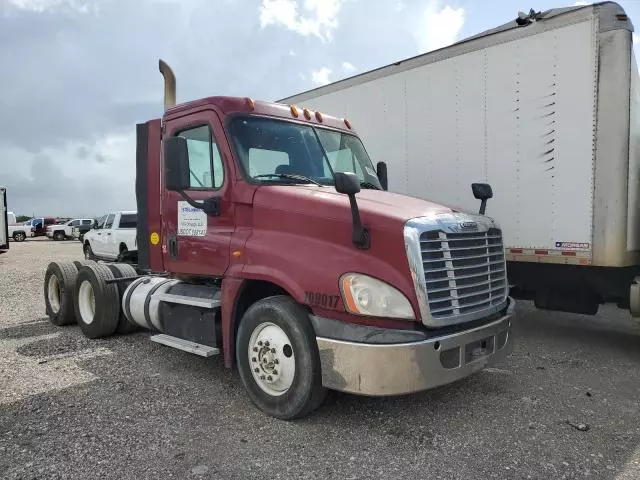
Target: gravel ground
{"points": [[564, 405]]}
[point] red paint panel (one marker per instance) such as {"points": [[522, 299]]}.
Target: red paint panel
{"points": [[153, 194]]}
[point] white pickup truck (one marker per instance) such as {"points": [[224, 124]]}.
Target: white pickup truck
{"points": [[63, 231], [112, 238], [19, 231]]}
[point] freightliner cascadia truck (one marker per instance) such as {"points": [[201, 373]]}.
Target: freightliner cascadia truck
{"points": [[265, 233], [546, 109]]}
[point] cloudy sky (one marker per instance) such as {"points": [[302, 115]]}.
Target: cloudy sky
{"points": [[78, 74]]}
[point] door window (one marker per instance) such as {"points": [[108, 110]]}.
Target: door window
{"points": [[109, 222], [205, 164], [128, 220]]}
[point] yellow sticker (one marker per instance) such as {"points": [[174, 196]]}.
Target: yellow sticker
{"points": [[155, 238]]}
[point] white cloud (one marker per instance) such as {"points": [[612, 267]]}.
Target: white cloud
{"points": [[348, 67], [636, 39], [321, 77], [581, 2], [441, 26], [49, 5], [320, 18]]}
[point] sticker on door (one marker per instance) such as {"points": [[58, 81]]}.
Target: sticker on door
{"points": [[192, 222]]}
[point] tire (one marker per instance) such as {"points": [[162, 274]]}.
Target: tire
{"points": [[59, 236], [59, 291], [88, 252], [122, 256], [305, 393], [120, 270], [19, 236], [101, 318], [81, 237], [81, 263]]}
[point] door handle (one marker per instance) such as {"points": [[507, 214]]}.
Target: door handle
{"points": [[173, 247], [108, 233]]}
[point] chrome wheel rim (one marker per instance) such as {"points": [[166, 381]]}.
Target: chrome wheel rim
{"points": [[86, 302], [53, 294], [271, 359]]}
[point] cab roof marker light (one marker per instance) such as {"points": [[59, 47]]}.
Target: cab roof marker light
{"points": [[319, 117], [347, 123], [251, 103], [307, 113], [294, 110]]}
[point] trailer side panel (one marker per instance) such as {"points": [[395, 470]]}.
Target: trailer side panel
{"points": [[518, 114]]}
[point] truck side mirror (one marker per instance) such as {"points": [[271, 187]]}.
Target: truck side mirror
{"points": [[483, 192], [381, 171], [176, 163], [347, 183]]}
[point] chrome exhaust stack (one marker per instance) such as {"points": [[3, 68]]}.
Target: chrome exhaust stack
{"points": [[169, 84]]}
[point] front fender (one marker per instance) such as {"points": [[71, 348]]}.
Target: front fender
{"points": [[310, 268]]}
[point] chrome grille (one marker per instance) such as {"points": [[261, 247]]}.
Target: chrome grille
{"points": [[464, 272]]}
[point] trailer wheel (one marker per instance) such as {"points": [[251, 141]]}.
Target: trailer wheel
{"points": [[278, 359], [96, 301], [59, 288], [120, 270]]}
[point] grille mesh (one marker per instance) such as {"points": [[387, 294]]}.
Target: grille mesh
{"points": [[464, 272]]}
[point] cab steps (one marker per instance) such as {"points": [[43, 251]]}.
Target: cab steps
{"points": [[185, 345], [186, 300]]}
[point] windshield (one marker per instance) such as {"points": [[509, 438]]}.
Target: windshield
{"points": [[268, 148]]}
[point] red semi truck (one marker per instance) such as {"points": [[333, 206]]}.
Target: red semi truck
{"points": [[266, 234]]}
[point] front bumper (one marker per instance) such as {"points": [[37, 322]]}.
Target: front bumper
{"points": [[381, 369]]}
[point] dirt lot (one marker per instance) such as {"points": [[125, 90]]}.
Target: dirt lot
{"points": [[565, 405]]}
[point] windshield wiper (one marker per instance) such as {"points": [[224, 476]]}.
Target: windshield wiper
{"points": [[288, 175]]}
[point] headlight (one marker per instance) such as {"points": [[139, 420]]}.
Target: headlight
{"points": [[364, 295]]}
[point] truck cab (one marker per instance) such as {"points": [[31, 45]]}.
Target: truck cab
{"points": [[266, 234]]}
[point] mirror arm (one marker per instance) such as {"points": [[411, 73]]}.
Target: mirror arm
{"points": [[483, 206], [360, 236]]}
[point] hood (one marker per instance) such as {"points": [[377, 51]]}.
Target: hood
{"points": [[389, 209]]}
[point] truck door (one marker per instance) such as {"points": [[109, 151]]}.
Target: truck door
{"points": [[102, 236], [192, 241]]}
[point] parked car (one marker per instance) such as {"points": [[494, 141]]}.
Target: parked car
{"points": [[65, 230], [79, 231], [112, 238], [40, 225], [20, 232]]}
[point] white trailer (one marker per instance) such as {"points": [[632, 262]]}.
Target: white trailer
{"points": [[4, 221], [544, 109]]}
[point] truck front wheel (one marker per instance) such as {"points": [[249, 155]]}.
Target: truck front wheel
{"points": [[278, 359]]}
